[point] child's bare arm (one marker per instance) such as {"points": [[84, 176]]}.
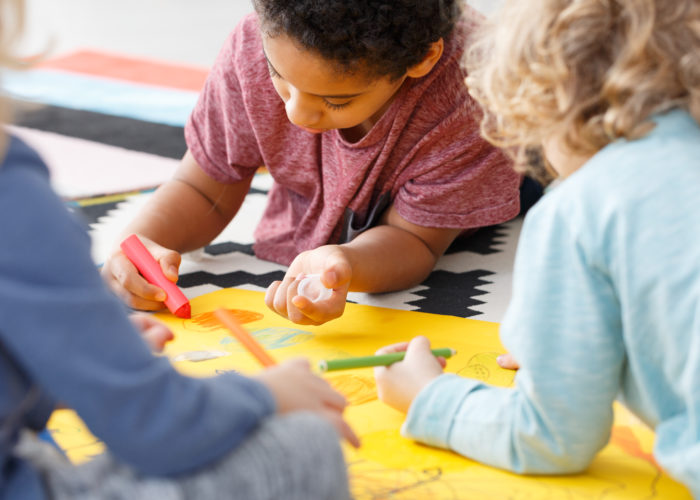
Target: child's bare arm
{"points": [[396, 254], [185, 213], [189, 210]]}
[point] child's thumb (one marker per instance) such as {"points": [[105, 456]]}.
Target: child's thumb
{"points": [[337, 271], [170, 263], [418, 347]]}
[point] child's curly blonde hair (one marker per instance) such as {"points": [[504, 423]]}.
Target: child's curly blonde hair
{"points": [[588, 71]]}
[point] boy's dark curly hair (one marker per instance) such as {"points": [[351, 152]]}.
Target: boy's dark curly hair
{"points": [[375, 37]]}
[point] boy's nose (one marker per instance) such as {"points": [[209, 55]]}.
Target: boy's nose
{"points": [[301, 112]]}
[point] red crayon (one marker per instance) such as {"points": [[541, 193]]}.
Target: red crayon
{"points": [[150, 269]]}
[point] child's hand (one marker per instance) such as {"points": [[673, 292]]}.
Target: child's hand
{"points": [[335, 272], [295, 388], [398, 384], [507, 361], [124, 279], [155, 333]]}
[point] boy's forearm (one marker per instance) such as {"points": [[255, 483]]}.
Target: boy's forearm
{"points": [[178, 217], [190, 210], [386, 258]]}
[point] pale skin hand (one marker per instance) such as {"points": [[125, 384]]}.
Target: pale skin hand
{"points": [[507, 361], [295, 388], [399, 384], [184, 214], [368, 263], [331, 263], [155, 333]]}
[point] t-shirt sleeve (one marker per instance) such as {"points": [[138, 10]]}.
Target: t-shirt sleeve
{"points": [[561, 326], [452, 166], [73, 338], [219, 133]]}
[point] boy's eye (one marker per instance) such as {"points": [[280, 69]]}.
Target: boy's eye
{"points": [[273, 71], [334, 106]]}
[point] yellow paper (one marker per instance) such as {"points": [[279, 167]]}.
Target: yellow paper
{"points": [[388, 465]]}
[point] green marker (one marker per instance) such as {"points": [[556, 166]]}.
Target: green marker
{"points": [[378, 360]]}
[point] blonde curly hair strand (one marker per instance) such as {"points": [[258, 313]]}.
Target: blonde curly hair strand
{"points": [[589, 71]]}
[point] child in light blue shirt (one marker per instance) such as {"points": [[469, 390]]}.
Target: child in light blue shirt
{"points": [[606, 295]]}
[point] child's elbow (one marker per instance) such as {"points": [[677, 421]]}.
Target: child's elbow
{"points": [[560, 466], [559, 460]]}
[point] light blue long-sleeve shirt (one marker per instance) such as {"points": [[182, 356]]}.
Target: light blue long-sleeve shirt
{"points": [[65, 337], [605, 305]]}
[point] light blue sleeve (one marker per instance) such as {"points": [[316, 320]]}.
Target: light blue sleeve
{"points": [[563, 327]]}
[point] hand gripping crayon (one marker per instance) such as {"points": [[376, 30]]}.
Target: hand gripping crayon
{"points": [[376, 360], [227, 319], [150, 269]]}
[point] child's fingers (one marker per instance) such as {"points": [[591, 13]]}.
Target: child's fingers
{"points": [[293, 313], [128, 276], [330, 279], [155, 333], [140, 294], [314, 306], [156, 338], [418, 352], [332, 398], [270, 294], [133, 288], [301, 302], [144, 321], [300, 363], [343, 428], [140, 321], [399, 347], [169, 260], [398, 384], [136, 302], [507, 361], [317, 313], [278, 296], [170, 263], [303, 311], [418, 346]]}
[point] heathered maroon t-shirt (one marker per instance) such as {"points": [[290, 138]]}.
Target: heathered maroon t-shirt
{"points": [[424, 154]]}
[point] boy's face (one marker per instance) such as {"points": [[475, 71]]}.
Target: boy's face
{"points": [[317, 98]]}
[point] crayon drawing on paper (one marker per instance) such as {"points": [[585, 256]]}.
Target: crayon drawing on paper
{"points": [[388, 465]]}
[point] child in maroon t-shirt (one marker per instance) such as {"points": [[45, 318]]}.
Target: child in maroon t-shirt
{"points": [[360, 113]]}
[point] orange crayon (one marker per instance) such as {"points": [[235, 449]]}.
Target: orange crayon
{"points": [[244, 337]]}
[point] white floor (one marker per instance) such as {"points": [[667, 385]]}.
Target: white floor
{"points": [[181, 31]]}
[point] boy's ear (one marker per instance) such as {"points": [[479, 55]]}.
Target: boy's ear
{"points": [[431, 58]]}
